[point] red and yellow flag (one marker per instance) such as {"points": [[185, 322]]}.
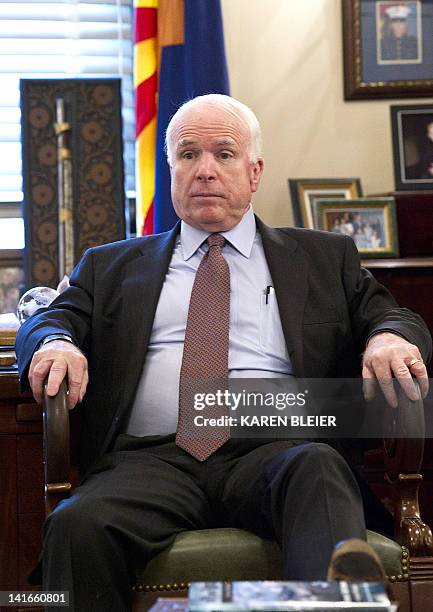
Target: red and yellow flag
{"points": [[178, 54], [145, 82]]}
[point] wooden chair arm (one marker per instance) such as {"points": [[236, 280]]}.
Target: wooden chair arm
{"points": [[403, 460], [405, 427], [56, 447]]}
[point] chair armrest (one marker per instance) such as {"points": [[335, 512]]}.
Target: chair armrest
{"points": [[404, 455], [56, 447], [405, 427]]}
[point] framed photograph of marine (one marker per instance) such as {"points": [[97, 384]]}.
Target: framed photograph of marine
{"points": [[388, 48], [370, 222]]}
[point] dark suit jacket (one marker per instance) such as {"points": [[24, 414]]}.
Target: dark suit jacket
{"points": [[328, 307]]}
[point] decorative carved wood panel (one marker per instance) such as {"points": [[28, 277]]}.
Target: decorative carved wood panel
{"points": [[93, 109]]}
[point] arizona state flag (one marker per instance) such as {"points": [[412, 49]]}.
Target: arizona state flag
{"points": [[179, 54]]}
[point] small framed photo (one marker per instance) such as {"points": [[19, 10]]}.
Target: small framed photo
{"points": [[11, 282], [371, 222], [412, 137], [388, 48], [305, 192]]}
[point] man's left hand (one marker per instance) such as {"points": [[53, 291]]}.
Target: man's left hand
{"points": [[386, 356]]}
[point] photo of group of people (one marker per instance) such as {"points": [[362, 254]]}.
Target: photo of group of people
{"points": [[370, 222], [337, 205], [366, 227]]}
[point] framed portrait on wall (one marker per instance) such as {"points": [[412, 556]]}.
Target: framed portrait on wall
{"points": [[305, 193], [388, 48], [412, 137], [371, 222], [398, 33]]}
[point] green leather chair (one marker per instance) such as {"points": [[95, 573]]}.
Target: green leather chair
{"points": [[235, 554]]}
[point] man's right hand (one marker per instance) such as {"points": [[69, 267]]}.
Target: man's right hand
{"points": [[56, 360]]}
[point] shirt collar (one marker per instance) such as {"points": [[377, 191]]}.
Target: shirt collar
{"points": [[241, 236]]}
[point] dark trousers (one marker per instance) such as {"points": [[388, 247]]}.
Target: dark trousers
{"points": [[147, 490]]}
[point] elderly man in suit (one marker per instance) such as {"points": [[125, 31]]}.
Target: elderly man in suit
{"points": [[220, 295]]}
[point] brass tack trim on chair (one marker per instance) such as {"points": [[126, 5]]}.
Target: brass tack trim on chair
{"points": [[58, 487], [404, 562], [399, 578], [140, 587]]}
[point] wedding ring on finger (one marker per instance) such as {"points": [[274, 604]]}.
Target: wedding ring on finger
{"points": [[413, 362]]}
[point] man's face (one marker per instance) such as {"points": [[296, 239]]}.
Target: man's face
{"points": [[212, 179], [399, 27]]}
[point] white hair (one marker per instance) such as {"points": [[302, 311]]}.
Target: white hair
{"points": [[232, 106]]}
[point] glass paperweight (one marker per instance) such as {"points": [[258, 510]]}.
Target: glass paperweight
{"points": [[33, 299]]}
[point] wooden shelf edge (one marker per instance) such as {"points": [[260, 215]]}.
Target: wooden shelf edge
{"points": [[407, 262]]}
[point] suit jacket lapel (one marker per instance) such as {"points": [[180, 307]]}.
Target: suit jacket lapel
{"points": [[141, 288], [289, 269]]}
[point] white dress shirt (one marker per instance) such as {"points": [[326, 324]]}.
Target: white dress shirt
{"points": [[257, 348]]}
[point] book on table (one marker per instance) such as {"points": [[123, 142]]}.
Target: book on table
{"points": [[290, 596]]}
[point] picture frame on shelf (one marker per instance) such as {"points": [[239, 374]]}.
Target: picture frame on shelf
{"points": [[388, 48], [305, 192], [412, 139], [11, 281], [371, 222]]}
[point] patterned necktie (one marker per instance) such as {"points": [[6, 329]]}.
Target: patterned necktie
{"points": [[205, 353]]}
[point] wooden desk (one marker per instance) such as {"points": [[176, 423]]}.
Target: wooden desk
{"points": [[21, 483]]}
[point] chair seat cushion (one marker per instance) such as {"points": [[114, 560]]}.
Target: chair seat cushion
{"points": [[235, 554], [390, 553]]}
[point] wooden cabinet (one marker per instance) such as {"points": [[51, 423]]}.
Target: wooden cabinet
{"points": [[410, 281], [21, 484]]}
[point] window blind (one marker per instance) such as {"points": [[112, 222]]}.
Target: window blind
{"points": [[61, 39]]}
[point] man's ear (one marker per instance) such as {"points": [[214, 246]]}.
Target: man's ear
{"points": [[256, 174]]}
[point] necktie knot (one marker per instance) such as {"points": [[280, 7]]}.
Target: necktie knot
{"points": [[216, 240]]}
